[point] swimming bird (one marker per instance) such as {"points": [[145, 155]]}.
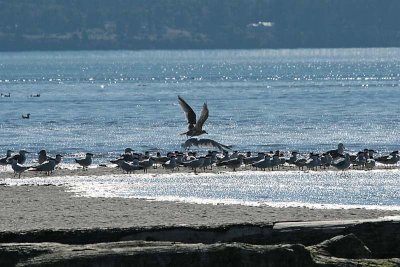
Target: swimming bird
{"points": [[343, 164], [20, 157], [204, 143], [336, 153], [47, 167], [18, 168], [195, 128], [4, 160], [233, 163], [85, 162], [27, 116]]}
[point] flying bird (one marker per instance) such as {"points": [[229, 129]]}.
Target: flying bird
{"points": [[195, 128], [204, 143]]}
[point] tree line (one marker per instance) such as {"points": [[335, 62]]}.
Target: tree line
{"points": [[197, 24]]}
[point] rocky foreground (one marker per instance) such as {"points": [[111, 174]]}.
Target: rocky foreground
{"points": [[335, 243]]}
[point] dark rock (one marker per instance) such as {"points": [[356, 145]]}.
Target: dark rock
{"points": [[140, 253], [348, 246]]}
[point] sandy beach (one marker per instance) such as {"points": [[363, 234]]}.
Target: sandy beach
{"points": [[26, 208]]}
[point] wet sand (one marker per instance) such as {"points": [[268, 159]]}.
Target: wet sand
{"points": [[24, 208]]}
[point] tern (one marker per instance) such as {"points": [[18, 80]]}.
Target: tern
{"points": [[20, 157], [47, 167], [232, 163], [4, 161], [195, 128], [343, 164], [18, 168], [85, 162]]}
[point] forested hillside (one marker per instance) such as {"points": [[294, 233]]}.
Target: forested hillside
{"points": [[197, 24]]}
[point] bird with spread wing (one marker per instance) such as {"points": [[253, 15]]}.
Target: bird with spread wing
{"points": [[195, 128]]}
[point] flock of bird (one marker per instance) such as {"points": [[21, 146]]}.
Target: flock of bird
{"points": [[131, 161]]}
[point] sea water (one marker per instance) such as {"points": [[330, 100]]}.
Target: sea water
{"points": [[259, 100]]}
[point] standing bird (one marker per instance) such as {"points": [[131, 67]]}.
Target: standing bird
{"points": [[20, 157], [18, 168], [343, 164], [47, 167], [4, 161], [85, 162], [42, 156], [337, 153], [195, 127], [233, 163]]}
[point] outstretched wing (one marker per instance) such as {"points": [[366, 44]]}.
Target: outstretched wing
{"points": [[190, 142], [203, 117], [190, 115], [212, 143]]}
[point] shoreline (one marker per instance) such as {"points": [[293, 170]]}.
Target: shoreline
{"points": [[28, 208]]}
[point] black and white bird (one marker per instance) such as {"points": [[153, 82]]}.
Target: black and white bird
{"points": [[47, 167], [18, 168], [390, 159], [195, 127], [20, 157], [343, 164], [86, 161], [4, 160], [337, 153], [233, 163]]}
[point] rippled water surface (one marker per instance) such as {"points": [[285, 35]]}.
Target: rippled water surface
{"points": [[259, 99], [306, 100], [378, 189]]}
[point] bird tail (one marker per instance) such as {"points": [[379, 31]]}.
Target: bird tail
{"points": [[76, 161]]}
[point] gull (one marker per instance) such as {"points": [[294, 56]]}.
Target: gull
{"points": [[18, 168], [204, 143], [21, 156], [336, 153], [85, 162], [4, 161], [195, 127], [232, 163], [343, 164], [47, 167]]}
